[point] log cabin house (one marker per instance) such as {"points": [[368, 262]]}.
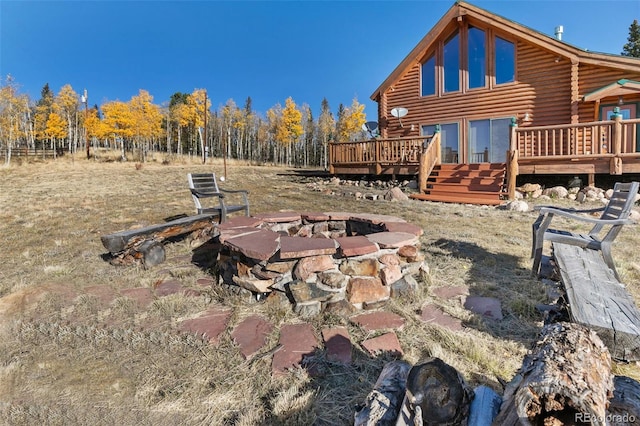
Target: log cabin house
{"points": [[482, 99]]}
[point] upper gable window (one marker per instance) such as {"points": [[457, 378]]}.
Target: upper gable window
{"points": [[476, 57], [505, 61], [452, 64], [429, 76]]}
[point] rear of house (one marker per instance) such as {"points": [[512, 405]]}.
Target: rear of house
{"points": [[476, 76]]}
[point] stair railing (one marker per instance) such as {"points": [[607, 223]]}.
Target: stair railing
{"points": [[431, 156]]}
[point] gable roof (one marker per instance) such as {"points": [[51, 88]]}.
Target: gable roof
{"points": [[617, 88], [461, 9]]}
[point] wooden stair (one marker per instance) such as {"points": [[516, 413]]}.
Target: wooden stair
{"points": [[481, 183]]}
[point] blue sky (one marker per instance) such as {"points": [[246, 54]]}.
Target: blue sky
{"points": [[268, 50]]}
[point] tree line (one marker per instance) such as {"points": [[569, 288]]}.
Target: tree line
{"points": [[184, 125]]}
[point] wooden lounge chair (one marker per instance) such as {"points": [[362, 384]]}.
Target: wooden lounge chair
{"points": [[205, 185], [605, 228]]}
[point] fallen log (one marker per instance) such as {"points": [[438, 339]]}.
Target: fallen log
{"points": [[145, 244], [436, 395], [566, 377], [624, 407], [383, 402]]}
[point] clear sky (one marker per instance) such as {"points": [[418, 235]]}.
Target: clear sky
{"points": [[268, 50]]}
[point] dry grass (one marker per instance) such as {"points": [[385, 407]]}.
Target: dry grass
{"points": [[68, 358]]}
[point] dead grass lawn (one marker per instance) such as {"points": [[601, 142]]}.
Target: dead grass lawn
{"points": [[67, 358]]}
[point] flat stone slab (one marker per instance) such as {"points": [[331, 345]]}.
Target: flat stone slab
{"points": [[339, 215], [205, 282], [386, 343], [376, 219], [278, 217], [315, 216], [104, 294], [379, 321], [392, 239], [296, 340], [355, 246], [259, 245], [227, 234], [143, 296], [165, 288], [450, 292], [251, 335], [210, 325], [409, 228], [489, 307], [433, 314], [293, 247], [337, 343], [240, 222]]}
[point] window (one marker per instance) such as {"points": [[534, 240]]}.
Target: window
{"points": [[429, 77], [488, 140], [476, 58], [452, 64], [449, 137], [505, 61]]}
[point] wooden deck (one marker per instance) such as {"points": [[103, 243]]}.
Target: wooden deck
{"points": [[601, 147]]}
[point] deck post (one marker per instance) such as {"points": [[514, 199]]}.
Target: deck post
{"points": [[332, 158], [616, 161], [512, 160]]}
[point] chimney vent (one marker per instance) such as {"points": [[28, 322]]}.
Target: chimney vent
{"points": [[559, 31]]}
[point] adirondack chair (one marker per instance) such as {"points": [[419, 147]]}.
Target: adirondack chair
{"points": [[205, 185], [605, 228]]}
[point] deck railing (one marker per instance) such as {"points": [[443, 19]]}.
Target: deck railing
{"points": [[378, 152], [598, 138]]}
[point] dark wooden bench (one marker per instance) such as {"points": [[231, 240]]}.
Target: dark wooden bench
{"points": [[598, 300], [144, 245]]}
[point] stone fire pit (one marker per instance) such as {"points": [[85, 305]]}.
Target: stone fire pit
{"points": [[331, 260]]}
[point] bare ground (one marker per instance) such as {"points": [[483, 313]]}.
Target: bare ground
{"points": [[68, 357]]}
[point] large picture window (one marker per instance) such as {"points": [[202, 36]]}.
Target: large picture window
{"points": [[429, 76], [452, 64], [476, 58], [505, 61]]}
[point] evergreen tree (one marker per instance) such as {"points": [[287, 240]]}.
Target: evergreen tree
{"points": [[632, 47]]}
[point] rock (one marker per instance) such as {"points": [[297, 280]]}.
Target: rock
{"points": [[386, 343], [395, 194], [557, 192], [303, 292], [251, 335], [308, 309], [433, 314], [518, 206], [366, 289], [308, 265], [297, 341], [403, 287], [390, 274], [530, 187], [379, 321], [337, 342], [341, 308], [389, 259], [333, 279], [253, 284], [365, 267], [486, 306]]}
